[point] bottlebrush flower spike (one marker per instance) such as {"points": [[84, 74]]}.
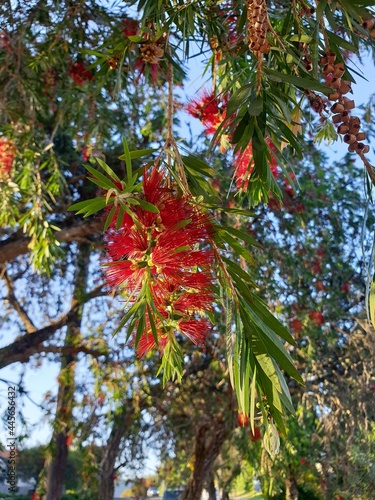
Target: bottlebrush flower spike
{"points": [[206, 108], [161, 252], [244, 164], [79, 73], [7, 154]]}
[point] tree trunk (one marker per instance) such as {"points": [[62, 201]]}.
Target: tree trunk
{"points": [[224, 495], [58, 449], [211, 487], [209, 440], [107, 465], [291, 492]]}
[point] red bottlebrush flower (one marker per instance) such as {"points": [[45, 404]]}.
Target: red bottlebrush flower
{"points": [[7, 154], [345, 288], [297, 326], [79, 73], [317, 317], [256, 435], [302, 461], [69, 440], [242, 419], [130, 26], [244, 164], [206, 108], [196, 330], [161, 251]]}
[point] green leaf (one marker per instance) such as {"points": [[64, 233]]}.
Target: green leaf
{"points": [[108, 170], [100, 179], [236, 246], [148, 206], [371, 302], [304, 83], [198, 165], [139, 153], [127, 158], [239, 98]]}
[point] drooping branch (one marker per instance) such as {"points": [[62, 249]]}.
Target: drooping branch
{"points": [[29, 325], [32, 343], [18, 245]]}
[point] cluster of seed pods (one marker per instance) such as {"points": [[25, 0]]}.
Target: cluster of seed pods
{"points": [[257, 27], [347, 125]]}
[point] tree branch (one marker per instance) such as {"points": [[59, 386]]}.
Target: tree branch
{"points": [[29, 325], [18, 245], [31, 343]]}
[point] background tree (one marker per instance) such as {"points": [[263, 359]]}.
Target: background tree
{"points": [[75, 80]]}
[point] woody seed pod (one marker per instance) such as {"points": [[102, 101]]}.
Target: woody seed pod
{"points": [[368, 24], [339, 70], [348, 103], [336, 119], [352, 147], [337, 108], [334, 96], [331, 57], [354, 129], [343, 129], [372, 33], [335, 83], [328, 68], [353, 120], [361, 136], [349, 138], [323, 60], [366, 149], [345, 87], [345, 116], [360, 146]]}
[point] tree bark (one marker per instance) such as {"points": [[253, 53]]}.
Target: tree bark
{"points": [[291, 491], [211, 487], [107, 465], [208, 442], [57, 459]]}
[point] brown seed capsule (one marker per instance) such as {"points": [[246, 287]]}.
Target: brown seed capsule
{"points": [[331, 57], [336, 119], [361, 147], [345, 87], [353, 120], [366, 149], [348, 103], [372, 33], [335, 83], [323, 60], [349, 138], [345, 117], [354, 129], [337, 108], [338, 72], [334, 97], [328, 68], [361, 136], [343, 129], [352, 147], [368, 24]]}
